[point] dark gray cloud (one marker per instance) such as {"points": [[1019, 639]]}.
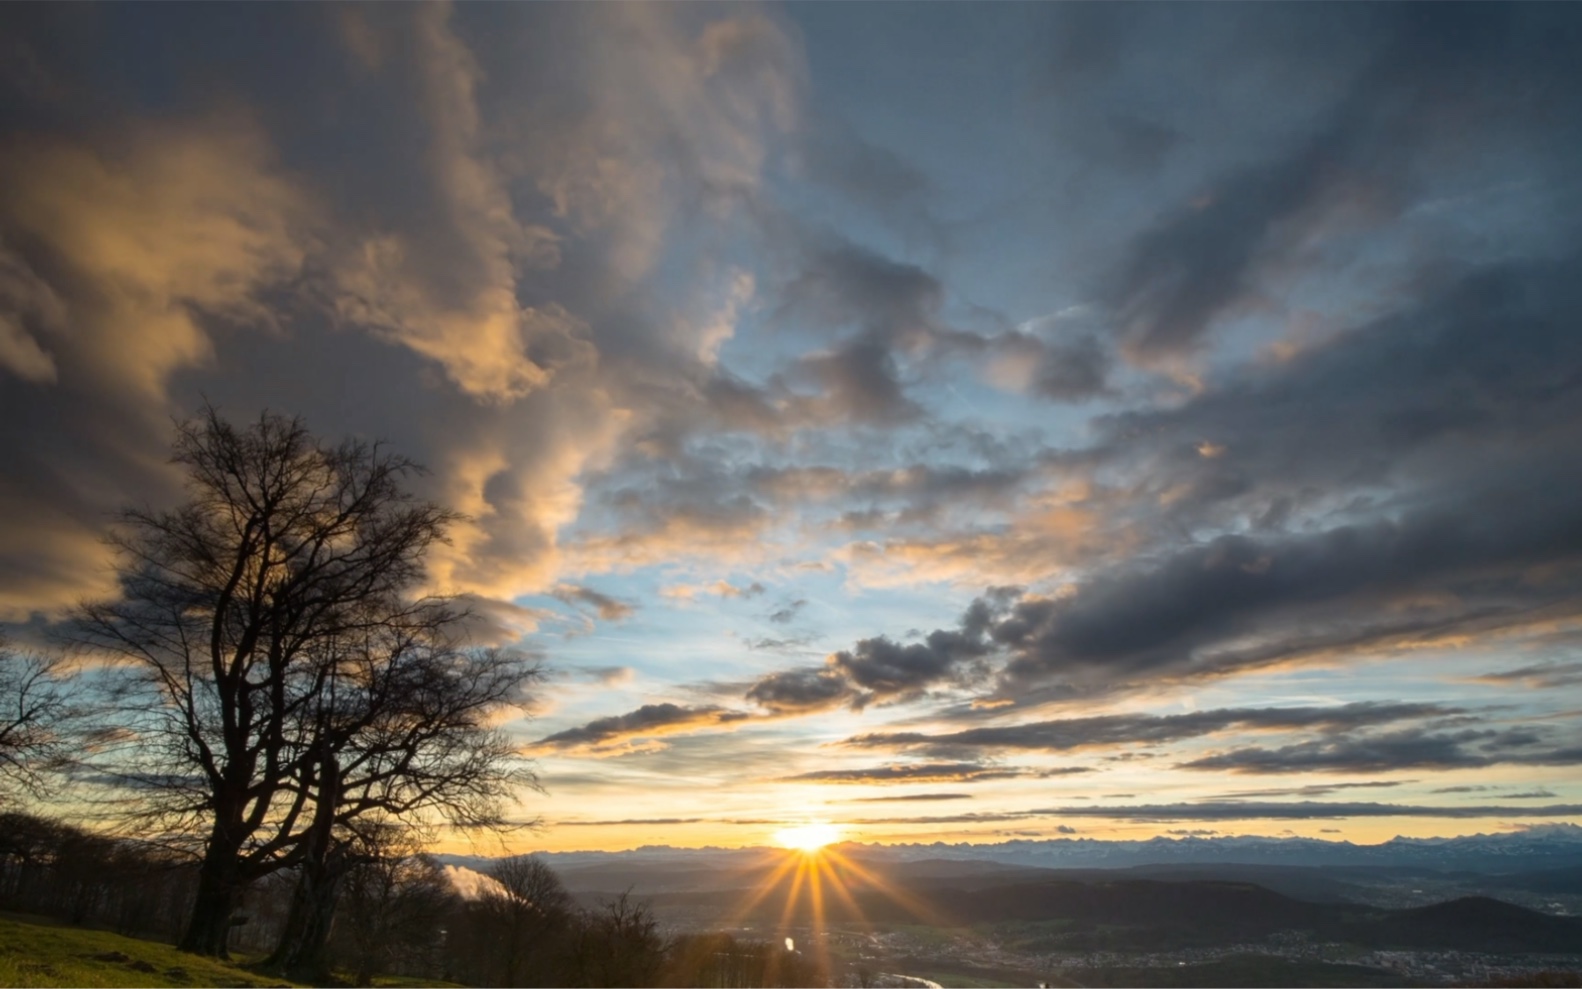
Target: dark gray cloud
{"points": [[801, 691], [980, 818], [608, 608], [1317, 789], [1540, 676], [1407, 393], [660, 821], [1411, 748], [841, 284], [1392, 400], [1069, 734], [1430, 79], [933, 772], [858, 382], [647, 722], [1074, 370], [870, 176], [1307, 810], [787, 613], [1396, 483], [881, 670], [912, 797], [1197, 603], [1358, 518]]}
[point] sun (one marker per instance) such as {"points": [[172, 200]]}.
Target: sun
{"points": [[807, 837]]}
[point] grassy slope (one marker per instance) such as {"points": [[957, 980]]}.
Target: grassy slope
{"points": [[36, 952]]}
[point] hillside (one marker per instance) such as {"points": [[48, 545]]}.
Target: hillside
{"points": [[39, 952]]}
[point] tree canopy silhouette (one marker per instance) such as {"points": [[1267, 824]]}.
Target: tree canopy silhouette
{"points": [[287, 677], [38, 710]]}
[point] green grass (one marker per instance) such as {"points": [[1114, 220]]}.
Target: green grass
{"points": [[37, 952]]}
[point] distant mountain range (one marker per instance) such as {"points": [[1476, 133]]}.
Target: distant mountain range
{"points": [[1541, 847]]}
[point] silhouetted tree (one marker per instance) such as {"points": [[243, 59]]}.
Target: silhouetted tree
{"points": [[616, 945], [527, 909], [37, 713], [53, 868], [227, 602], [393, 908], [403, 733]]}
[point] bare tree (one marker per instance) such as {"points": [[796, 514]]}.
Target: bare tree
{"points": [[528, 906], [402, 733], [617, 945], [395, 903], [37, 709], [227, 604]]}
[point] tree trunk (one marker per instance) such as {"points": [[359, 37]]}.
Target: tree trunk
{"points": [[218, 890], [303, 952]]}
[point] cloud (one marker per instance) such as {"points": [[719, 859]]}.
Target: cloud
{"points": [[441, 255], [1307, 810], [1406, 749], [857, 382], [912, 797], [880, 670], [608, 608], [498, 623], [1319, 789], [608, 676], [662, 821], [935, 772], [802, 691], [720, 588], [1538, 677], [116, 257], [782, 616], [625, 733], [1421, 84], [450, 294], [1073, 371], [978, 818], [1104, 731]]}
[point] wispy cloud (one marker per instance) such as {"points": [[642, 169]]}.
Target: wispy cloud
{"points": [[930, 772], [1070, 734]]}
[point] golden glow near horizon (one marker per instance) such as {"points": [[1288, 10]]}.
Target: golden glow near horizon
{"points": [[808, 837]]}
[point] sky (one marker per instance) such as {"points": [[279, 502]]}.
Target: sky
{"points": [[948, 422]]}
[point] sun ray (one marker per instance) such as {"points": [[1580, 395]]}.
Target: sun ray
{"points": [[838, 884], [911, 904], [820, 945], [788, 914], [757, 894]]}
